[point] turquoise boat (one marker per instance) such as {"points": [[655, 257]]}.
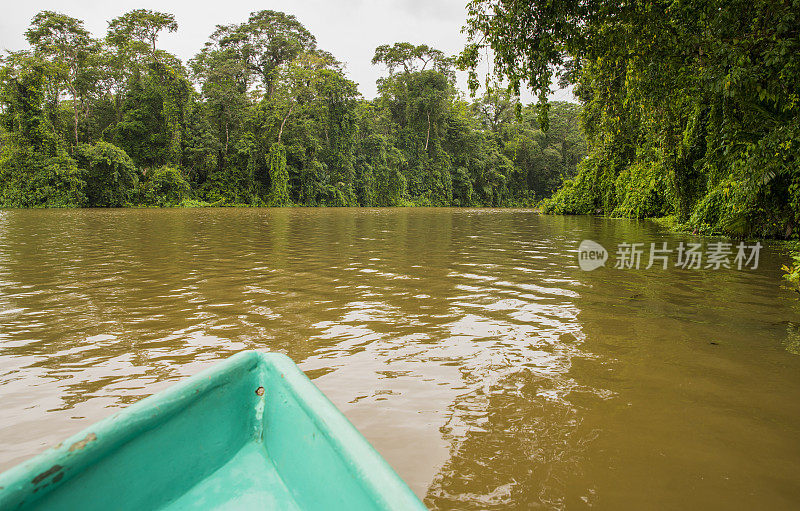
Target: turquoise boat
{"points": [[250, 433]]}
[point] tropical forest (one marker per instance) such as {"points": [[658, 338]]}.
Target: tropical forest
{"points": [[260, 116]]}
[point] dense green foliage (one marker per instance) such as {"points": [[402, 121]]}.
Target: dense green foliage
{"points": [[689, 108], [791, 272], [111, 175], [260, 116]]}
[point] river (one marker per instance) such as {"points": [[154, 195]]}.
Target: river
{"points": [[466, 345]]}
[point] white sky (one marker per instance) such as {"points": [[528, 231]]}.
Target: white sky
{"points": [[349, 29]]}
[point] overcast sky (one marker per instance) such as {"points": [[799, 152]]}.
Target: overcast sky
{"points": [[349, 29]]}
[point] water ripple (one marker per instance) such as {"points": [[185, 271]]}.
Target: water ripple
{"points": [[465, 344]]}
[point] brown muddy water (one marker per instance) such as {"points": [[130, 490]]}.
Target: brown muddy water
{"points": [[466, 345]]}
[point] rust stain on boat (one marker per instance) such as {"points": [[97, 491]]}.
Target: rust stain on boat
{"points": [[81, 444], [47, 473]]}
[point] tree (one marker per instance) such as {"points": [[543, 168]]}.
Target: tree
{"points": [[496, 108], [164, 187], [157, 90], [35, 170], [300, 81], [111, 175], [137, 31], [338, 95], [409, 56], [63, 39], [419, 100], [224, 83], [268, 40], [279, 178]]}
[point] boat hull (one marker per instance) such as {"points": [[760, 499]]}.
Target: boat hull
{"points": [[250, 433]]}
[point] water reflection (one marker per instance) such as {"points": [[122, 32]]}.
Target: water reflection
{"points": [[466, 345]]}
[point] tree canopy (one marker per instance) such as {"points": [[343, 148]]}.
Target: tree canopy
{"points": [[690, 108], [259, 116]]}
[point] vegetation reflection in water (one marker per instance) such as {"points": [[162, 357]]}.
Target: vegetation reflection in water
{"points": [[466, 345]]}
